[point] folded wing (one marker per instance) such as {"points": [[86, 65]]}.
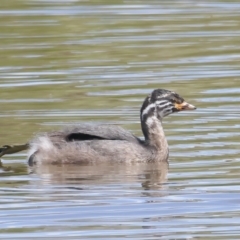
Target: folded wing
{"points": [[88, 132]]}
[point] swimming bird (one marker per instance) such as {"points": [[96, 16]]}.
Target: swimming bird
{"points": [[85, 143]]}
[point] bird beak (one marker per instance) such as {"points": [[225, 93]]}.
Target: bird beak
{"points": [[184, 106]]}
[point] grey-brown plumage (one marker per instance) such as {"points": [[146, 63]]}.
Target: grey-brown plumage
{"points": [[96, 143]]}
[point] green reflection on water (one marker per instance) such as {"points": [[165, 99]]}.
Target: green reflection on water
{"points": [[57, 68]]}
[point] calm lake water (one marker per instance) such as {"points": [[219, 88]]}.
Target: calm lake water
{"points": [[77, 61]]}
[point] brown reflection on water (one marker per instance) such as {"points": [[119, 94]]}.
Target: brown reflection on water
{"points": [[149, 175]]}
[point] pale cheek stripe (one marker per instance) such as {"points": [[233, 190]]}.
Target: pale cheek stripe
{"points": [[162, 102], [163, 110], [163, 105], [146, 110]]}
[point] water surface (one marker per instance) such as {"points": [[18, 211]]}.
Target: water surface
{"points": [[78, 61]]}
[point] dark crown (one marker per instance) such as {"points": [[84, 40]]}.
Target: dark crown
{"points": [[161, 94]]}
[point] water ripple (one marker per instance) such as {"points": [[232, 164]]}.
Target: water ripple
{"points": [[73, 61]]}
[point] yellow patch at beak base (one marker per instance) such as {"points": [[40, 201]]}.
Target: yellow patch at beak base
{"points": [[184, 106]]}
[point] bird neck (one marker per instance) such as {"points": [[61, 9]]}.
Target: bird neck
{"points": [[154, 135]]}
